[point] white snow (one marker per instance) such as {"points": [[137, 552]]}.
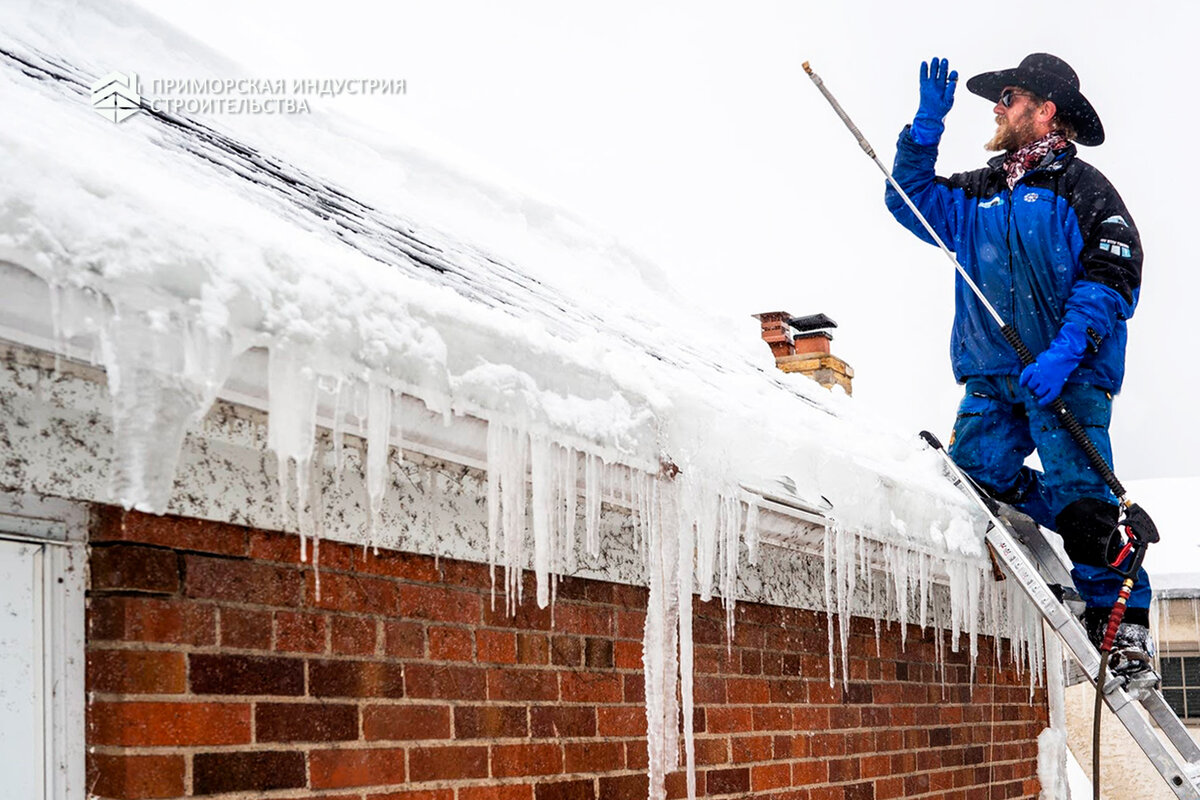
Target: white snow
{"points": [[372, 273]]}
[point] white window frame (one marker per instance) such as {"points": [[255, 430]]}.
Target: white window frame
{"points": [[60, 528]]}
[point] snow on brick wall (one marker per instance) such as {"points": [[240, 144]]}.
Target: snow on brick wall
{"points": [[213, 667]]}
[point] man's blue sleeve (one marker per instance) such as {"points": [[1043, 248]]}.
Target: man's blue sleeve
{"points": [[914, 171]]}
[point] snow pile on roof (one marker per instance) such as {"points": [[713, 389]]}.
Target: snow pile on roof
{"points": [[503, 308]]}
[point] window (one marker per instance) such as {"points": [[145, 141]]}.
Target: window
{"points": [[1181, 684]]}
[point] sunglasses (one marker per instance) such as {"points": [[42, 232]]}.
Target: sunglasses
{"points": [[1008, 95]]}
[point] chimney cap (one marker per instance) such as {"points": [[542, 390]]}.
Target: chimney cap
{"points": [[812, 322]]}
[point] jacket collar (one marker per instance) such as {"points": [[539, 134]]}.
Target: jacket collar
{"points": [[996, 163]]}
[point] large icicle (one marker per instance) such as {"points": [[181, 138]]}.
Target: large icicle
{"points": [[163, 374], [379, 428], [291, 429], [686, 568], [659, 640], [541, 456], [508, 461]]}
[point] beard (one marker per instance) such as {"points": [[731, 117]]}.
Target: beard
{"points": [[1011, 134]]}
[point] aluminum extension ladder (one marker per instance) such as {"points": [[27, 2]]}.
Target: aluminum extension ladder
{"points": [[1038, 568]]}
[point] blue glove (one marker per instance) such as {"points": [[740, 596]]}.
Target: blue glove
{"points": [[937, 96], [1046, 376]]}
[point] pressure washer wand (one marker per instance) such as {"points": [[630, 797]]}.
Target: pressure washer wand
{"points": [[1136, 519]]}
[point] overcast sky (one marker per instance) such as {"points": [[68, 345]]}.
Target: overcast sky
{"points": [[689, 131]]}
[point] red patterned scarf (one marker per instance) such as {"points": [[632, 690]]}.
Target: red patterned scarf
{"points": [[1035, 154]]}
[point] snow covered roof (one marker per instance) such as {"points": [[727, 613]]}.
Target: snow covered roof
{"points": [[174, 245]]}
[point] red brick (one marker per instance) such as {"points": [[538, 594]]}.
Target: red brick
{"points": [[747, 749], [518, 684], [305, 722], [621, 721], [353, 636], [505, 792], [533, 649], [727, 781], [297, 632], [491, 722], [168, 724], [135, 777], [403, 639], [450, 644], [236, 674], [445, 682], [136, 672], [598, 653], [496, 647], [243, 628], [395, 723], [566, 651], [585, 620], [442, 605], [356, 594], [451, 763], [627, 655], [565, 790], [519, 760], [241, 581], [273, 546], [181, 533], [623, 787], [420, 794], [748, 690], [151, 619], [397, 564], [334, 769], [131, 567], [729, 720], [591, 687], [712, 750], [770, 776], [355, 679], [557, 721], [215, 773], [589, 757]]}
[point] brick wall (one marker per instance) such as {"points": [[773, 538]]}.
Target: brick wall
{"points": [[214, 668]]}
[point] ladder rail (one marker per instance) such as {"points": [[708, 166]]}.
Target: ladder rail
{"points": [[1022, 558]]}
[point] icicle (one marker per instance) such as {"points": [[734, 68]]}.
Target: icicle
{"points": [[570, 493], [514, 505], [731, 521], [752, 524], [708, 509], [379, 427], [163, 375], [592, 472], [846, 582], [541, 458], [339, 430], [653, 659], [829, 609], [685, 569], [495, 455]]}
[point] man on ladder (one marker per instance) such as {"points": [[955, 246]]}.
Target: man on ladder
{"points": [[1049, 241]]}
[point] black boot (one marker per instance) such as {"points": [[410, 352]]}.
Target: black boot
{"points": [[1133, 648]]}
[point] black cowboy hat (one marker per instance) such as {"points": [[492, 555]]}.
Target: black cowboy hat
{"points": [[1049, 77]]}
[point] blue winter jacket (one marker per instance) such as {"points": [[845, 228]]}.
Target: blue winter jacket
{"points": [[1058, 247]]}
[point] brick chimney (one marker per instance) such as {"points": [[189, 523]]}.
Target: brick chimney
{"points": [[801, 344]]}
